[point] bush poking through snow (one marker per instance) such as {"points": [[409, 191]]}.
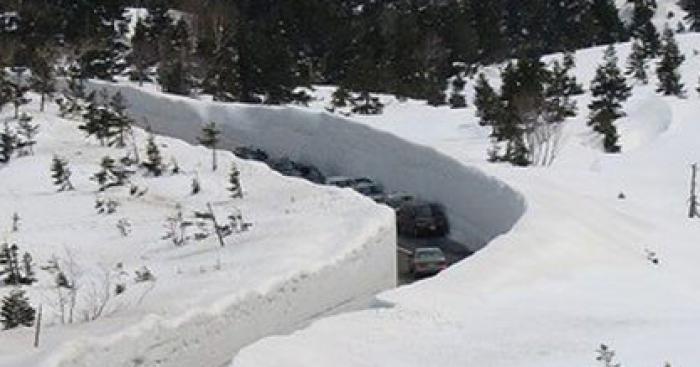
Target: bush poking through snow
{"points": [[60, 173], [235, 182], [124, 227], [606, 356], [176, 228], [16, 311]]}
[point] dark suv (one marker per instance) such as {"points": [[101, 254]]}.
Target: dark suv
{"points": [[417, 218]]}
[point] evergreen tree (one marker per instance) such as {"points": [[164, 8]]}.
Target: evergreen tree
{"points": [[154, 161], [603, 23], [457, 99], [43, 79], [19, 94], [8, 141], [96, 121], [641, 26], [340, 98], [144, 52], [235, 182], [75, 100], [559, 88], [27, 131], [175, 68], [5, 89], [28, 268], [637, 63], [210, 139], [609, 90], [222, 79], [667, 68], [110, 174], [60, 173], [9, 263], [487, 102], [119, 122], [16, 311]]}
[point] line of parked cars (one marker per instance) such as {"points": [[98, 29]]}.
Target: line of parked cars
{"points": [[414, 217]]}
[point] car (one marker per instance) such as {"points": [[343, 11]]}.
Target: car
{"points": [[340, 181], [251, 153], [419, 218], [427, 261], [310, 173], [396, 199], [372, 190]]}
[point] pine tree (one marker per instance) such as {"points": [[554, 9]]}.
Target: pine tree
{"points": [[223, 80], [154, 161], [340, 98], [110, 174], [559, 88], [8, 141], [43, 79], [96, 121], [175, 68], [19, 94], [667, 68], [609, 90], [9, 261], [75, 99], [5, 89], [143, 54], [642, 26], [637, 63], [60, 172], [120, 123], [210, 139], [603, 22], [235, 182], [27, 131], [16, 311], [487, 102], [457, 99]]}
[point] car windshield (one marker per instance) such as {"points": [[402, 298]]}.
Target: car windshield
{"points": [[430, 255]]}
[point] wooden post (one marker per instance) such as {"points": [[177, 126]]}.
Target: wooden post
{"points": [[216, 225], [38, 328], [693, 210]]}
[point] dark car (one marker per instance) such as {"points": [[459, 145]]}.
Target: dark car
{"points": [[251, 154], [417, 218], [427, 261]]}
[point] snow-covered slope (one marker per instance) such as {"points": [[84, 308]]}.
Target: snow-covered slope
{"points": [[574, 271], [296, 261]]}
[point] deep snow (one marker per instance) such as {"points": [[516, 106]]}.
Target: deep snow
{"points": [[310, 249], [571, 274]]}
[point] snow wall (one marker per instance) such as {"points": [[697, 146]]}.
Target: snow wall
{"points": [[479, 207], [212, 334]]}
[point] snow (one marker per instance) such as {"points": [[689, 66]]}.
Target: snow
{"points": [[338, 147], [573, 271], [305, 245]]}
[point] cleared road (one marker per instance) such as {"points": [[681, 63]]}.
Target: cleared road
{"points": [[454, 252]]}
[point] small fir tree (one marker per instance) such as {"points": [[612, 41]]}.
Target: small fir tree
{"points": [[235, 181], [154, 161], [366, 104], [27, 132], [9, 264], [19, 95], [457, 99], [16, 311], [110, 174], [667, 68], [60, 173], [210, 139], [609, 90], [487, 101], [340, 98], [8, 141], [637, 63]]}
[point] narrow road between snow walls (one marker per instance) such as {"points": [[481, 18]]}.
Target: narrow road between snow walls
{"points": [[479, 207]]}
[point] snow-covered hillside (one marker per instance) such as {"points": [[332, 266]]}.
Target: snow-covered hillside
{"points": [[574, 272], [205, 301]]}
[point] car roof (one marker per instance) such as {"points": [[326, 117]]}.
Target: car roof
{"points": [[428, 249]]}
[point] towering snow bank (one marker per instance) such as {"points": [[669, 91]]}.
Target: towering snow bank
{"points": [[310, 249], [479, 207]]}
